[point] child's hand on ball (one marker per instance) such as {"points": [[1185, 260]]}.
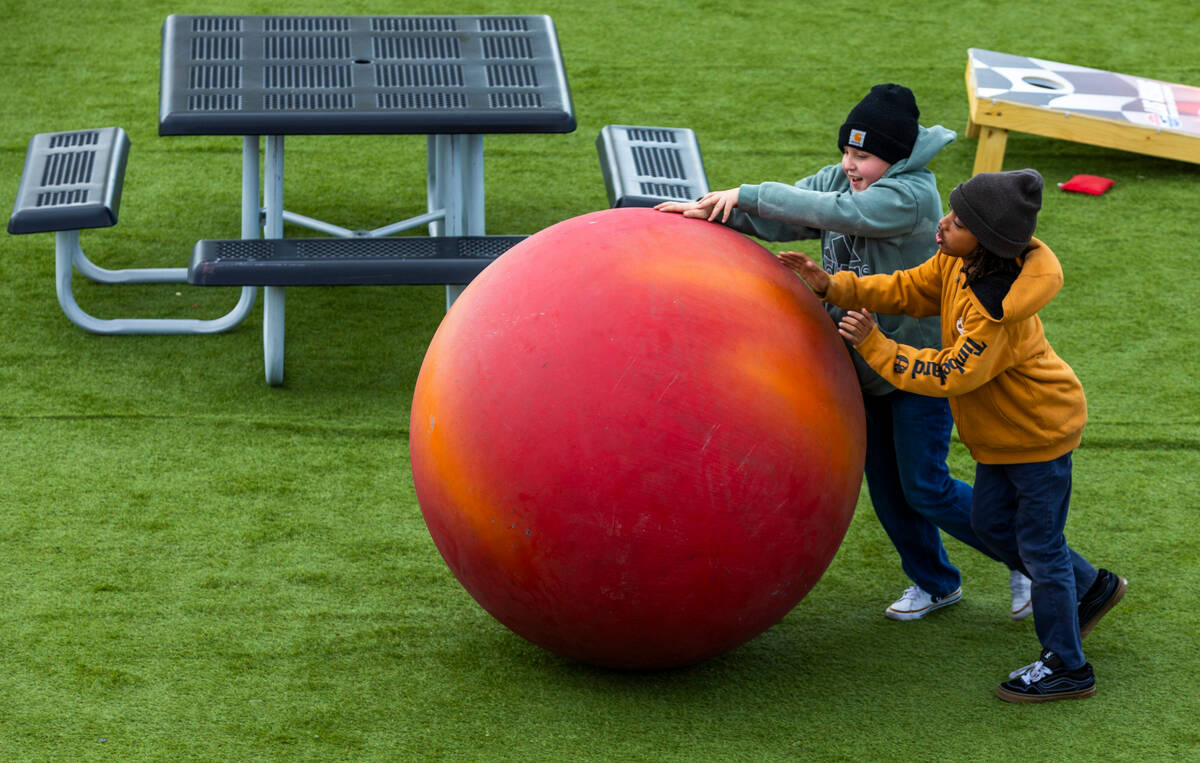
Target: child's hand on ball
{"points": [[856, 325], [817, 279]]}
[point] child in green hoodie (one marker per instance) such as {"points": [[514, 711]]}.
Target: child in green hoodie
{"points": [[876, 212], [1020, 409]]}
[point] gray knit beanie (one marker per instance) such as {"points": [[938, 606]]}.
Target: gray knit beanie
{"points": [[1000, 208]]}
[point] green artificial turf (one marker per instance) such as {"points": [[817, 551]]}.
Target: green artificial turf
{"points": [[195, 566]]}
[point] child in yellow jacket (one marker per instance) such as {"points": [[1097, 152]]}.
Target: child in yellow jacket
{"points": [[1019, 408]]}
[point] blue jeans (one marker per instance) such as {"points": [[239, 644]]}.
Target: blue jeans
{"points": [[908, 439], [1020, 511]]}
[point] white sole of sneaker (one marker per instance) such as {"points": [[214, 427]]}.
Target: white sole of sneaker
{"points": [[1023, 612], [917, 614]]}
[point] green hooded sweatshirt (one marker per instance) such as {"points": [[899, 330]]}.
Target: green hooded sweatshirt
{"points": [[889, 226]]}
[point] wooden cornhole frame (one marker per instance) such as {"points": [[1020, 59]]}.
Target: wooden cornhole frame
{"points": [[1055, 100]]}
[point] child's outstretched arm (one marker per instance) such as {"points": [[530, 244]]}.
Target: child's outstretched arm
{"points": [[802, 264], [710, 206], [915, 291]]}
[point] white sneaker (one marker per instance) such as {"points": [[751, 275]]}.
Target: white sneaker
{"points": [[916, 603], [1022, 603]]}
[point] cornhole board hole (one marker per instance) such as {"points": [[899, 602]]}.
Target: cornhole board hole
{"points": [[1008, 92]]}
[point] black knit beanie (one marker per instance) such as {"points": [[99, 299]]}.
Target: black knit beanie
{"points": [[1000, 208], [883, 123]]}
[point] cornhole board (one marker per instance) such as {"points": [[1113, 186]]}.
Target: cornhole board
{"points": [[1008, 92]]}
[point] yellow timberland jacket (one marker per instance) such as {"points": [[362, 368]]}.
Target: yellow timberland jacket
{"points": [[1014, 400]]}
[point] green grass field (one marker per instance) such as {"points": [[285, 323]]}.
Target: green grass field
{"points": [[195, 566]]}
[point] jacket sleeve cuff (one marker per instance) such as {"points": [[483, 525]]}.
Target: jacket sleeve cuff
{"points": [[872, 343], [748, 199], [838, 289]]}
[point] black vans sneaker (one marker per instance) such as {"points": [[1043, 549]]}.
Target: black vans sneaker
{"points": [[1047, 680], [1101, 597]]}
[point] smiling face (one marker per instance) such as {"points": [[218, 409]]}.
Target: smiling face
{"points": [[862, 168], [954, 239]]}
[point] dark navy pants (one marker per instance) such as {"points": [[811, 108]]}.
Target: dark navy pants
{"points": [[1019, 511], [908, 438]]}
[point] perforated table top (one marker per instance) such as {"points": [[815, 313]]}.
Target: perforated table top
{"points": [[280, 75]]}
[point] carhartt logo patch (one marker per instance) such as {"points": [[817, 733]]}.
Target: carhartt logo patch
{"points": [[858, 137]]}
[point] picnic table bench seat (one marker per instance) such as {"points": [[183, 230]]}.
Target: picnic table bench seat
{"points": [[72, 181], [404, 260], [643, 166]]}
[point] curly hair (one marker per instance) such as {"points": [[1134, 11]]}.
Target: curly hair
{"points": [[985, 263]]}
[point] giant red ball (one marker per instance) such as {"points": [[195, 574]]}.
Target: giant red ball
{"points": [[637, 439]]}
